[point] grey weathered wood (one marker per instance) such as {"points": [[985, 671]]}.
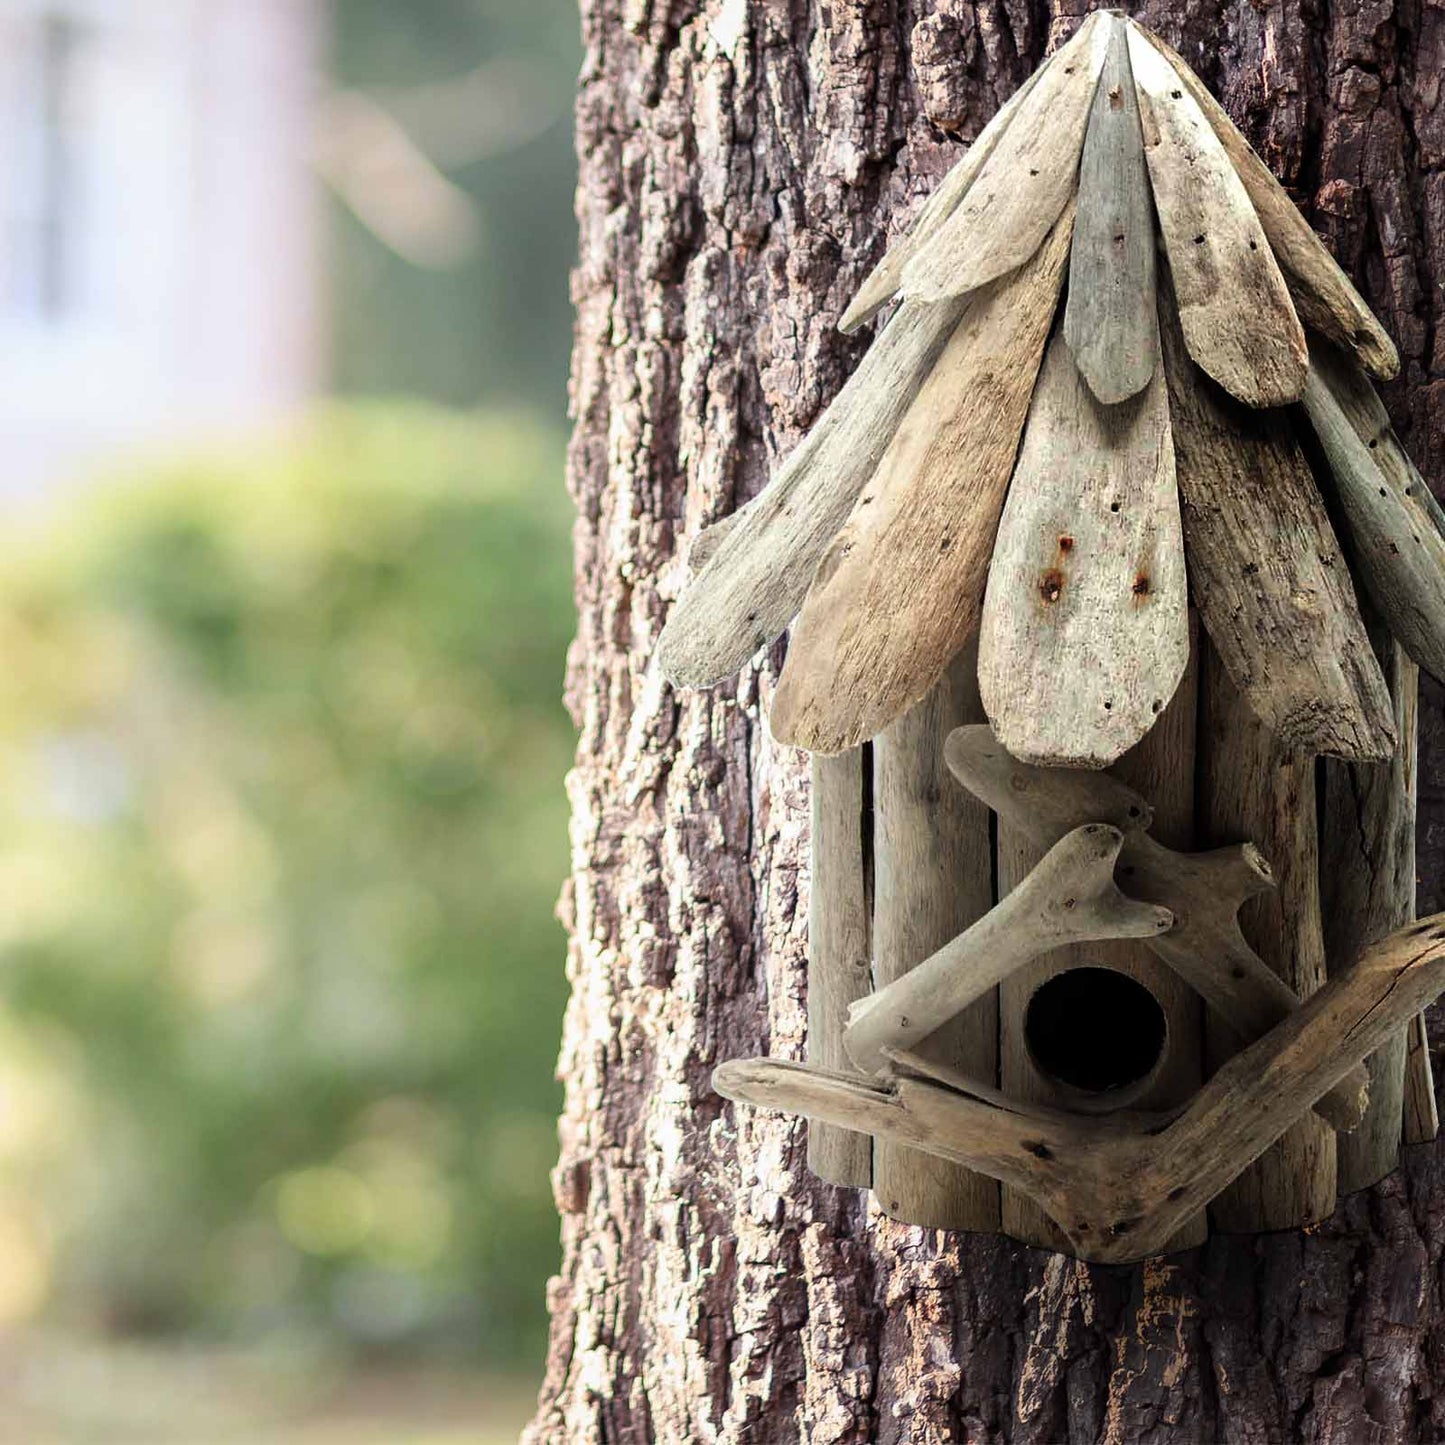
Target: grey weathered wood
{"points": [[1110, 320], [1122, 1193], [1019, 194], [933, 865], [758, 574], [1324, 296], [1238, 319], [1085, 630], [1252, 786], [1395, 548], [1161, 767], [900, 589], [1422, 1116], [1266, 571], [1367, 890], [839, 970], [887, 276], [1069, 897]]}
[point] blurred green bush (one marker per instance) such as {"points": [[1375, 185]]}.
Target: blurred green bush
{"points": [[281, 826]]}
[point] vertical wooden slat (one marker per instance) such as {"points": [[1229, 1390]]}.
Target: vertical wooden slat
{"points": [[933, 861], [1367, 890], [1251, 787], [838, 944], [1161, 767], [1422, 1117]]}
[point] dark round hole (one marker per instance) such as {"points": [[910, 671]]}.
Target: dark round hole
{"points": [[1095, 1029]]}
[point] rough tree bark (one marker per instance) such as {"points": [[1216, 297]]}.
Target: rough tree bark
{"points": [[741, 162]]}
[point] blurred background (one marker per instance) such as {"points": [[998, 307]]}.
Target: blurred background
{"points": [[284, 601]]}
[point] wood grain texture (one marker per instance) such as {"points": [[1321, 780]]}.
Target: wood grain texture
{"points": [[1324, 297], [1266, 572], [1422, 1114], [886, 277], [1161, 772], [933, 861], [900, 589], [1394, 546], [1367, 890], [1069, 896], [1205, 891], [1239, 322], [758, 574], [1121, 1191], [1085, 630], [1017, 197], [1110, 318], [839, 966], [1252, 786]]}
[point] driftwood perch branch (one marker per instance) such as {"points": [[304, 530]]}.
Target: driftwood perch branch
{"points": [[1120, 1194], [1071, 897], [1204, 891]]}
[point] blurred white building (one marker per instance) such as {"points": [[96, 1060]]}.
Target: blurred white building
{"points": [[160, 226]]}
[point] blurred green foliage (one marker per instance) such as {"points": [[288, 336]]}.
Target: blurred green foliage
{"points": [[281, 825], [499, 324]]}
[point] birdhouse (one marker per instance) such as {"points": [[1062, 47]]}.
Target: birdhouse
{"points": [[1108, 583]]}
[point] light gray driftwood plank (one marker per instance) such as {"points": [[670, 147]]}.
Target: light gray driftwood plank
{"points": [[757, 576], [839, 971], [1367, 890], [1394, 545], [1422, 1116], [1120, 1190], [1110, 321], [901, 587], [933, 866], [887, 276], [1266, 572], [1085, 629], [1324, 296], [1023, 187], [1161, 768], [1251, 786], [1238, 319]]}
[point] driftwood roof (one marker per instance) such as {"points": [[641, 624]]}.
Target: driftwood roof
{"points": [[1034, 473]]}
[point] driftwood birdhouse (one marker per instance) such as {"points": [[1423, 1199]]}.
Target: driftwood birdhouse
{"points": [[1108, 582]]}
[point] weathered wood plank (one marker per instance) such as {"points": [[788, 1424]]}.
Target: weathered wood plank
{"points": [[1325, 298], [1422, 1115], [1120, 1192], [933, 865], [1085, 630], [887, 276], [1160, 768], [1019, 194], [1367, 890], [1266, 571], [1395, 548], [901, 587], [758, 574], [1239, 322], [1110, 321], [1253, 786], [839, 967]]}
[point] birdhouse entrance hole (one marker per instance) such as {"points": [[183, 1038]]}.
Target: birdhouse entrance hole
{"points": [[1095, 1030]]}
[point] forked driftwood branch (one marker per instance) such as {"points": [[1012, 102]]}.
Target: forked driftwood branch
{"points": [[1071, 897], [1120, 1191], [1203, 891]]}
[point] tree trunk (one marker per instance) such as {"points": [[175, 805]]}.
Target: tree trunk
{"points": [[742, 161]]}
